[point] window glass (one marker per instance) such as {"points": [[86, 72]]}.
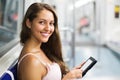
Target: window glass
{"points": [[8, 21]]}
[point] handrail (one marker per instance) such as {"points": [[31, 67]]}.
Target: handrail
{"points": [[8, 46], [6, 29], [10, 56], [66, 29]]}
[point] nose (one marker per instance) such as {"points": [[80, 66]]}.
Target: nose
{"points": [[47, 27]]}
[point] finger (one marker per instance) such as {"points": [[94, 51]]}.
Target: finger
{"points": [[76, 73], [79, 74], [82, 64], [79, 66]]}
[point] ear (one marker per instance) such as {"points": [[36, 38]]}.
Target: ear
{"points": [[28, 23]]}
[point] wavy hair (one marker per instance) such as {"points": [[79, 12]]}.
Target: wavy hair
{"points": [[52, 48]]}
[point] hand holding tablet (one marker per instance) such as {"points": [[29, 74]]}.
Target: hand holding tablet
{"points": [[89, 63]]}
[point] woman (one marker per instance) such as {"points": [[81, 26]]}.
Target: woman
{"points": [[41, 56]]}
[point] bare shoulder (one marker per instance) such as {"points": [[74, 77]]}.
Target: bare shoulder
{"points": [[31, 68], [30, 60]]}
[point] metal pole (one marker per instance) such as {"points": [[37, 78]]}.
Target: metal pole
{"points": [[21, 6], [73, 35]]}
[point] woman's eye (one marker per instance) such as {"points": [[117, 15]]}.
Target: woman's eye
{"points": [[42, 22], [52, 24]]}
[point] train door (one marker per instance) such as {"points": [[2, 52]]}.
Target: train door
{"points": [[85, 25]]}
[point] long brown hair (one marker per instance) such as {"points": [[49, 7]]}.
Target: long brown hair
{"points": [[52, 48]]}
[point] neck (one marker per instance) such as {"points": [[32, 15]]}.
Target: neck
{"points": [[32, 45]]}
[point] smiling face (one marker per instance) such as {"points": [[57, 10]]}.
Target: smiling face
{"points": [[42, 26]]}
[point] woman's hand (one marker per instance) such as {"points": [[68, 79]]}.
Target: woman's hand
{"points": [[75, 73]]}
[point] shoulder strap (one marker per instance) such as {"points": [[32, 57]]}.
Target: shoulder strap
{"points": [[32, 55]]}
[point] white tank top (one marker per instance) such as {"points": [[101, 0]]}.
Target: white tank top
{"points": [[54, 72]]}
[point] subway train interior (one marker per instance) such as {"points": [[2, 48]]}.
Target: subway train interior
{"points": [[87, 28]]}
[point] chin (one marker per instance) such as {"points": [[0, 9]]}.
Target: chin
{"points": [[45, 41]]}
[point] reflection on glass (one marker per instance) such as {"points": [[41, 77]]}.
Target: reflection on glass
{"points": [[8, 20]]}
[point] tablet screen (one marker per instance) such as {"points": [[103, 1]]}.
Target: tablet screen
{"points": [[89, 61]]}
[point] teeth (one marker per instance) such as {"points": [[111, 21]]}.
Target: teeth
{"points": [[45, 34]]}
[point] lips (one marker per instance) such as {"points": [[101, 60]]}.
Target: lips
{"points": [[45, 34]]}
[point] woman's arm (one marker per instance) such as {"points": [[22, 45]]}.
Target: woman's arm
{"points": [[30, 68]]}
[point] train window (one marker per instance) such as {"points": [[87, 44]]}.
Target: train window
{"points": [[8, 21]]}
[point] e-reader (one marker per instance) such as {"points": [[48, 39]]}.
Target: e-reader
{"points": [[89, 63]]}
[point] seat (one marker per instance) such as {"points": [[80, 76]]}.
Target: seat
{"points": [[11, 73]]}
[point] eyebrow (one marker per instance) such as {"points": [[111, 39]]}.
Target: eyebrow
{"points": [[45, 19]]}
